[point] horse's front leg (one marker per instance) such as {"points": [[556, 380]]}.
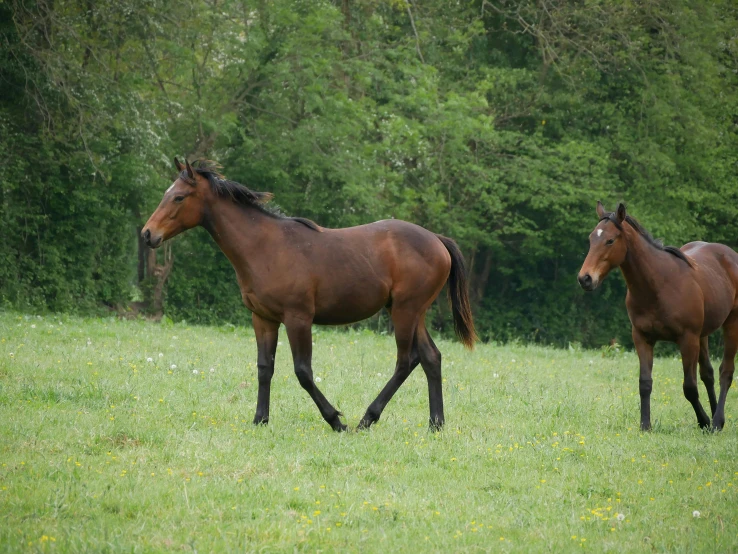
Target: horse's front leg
{"points": [[644, 348], [301, 342], [267, 333]]}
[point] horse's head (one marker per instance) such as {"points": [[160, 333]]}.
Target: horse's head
{"points": [[181, 208], [607, 247]]}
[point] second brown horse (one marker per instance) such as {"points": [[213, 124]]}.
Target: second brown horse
{"points": [[294, 272], [677, 295]]}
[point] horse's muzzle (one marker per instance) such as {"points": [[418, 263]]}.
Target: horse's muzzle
{"points": [[149, 240], [586, 282]]}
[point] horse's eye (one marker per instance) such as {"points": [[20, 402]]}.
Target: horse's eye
{"points": [[178, 199], [610, 241]]}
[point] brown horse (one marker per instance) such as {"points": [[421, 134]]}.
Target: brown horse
{"points": [[677, 295], [292, 271]]}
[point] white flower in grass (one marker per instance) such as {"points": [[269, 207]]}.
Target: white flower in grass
{"points": [[212, 370], [513, 360], [161, 355], [173, 366], [149, 359], [620, 517], [696, 513], [318, 379], [379, 374], [495, 375], [194, 372], [33, 326]]}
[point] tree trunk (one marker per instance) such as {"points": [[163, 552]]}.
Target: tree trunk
{"points": [[480, 282], [160, 274], [141, 256]]}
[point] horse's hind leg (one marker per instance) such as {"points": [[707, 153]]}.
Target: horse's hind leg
{"points": [[727, 367], [707, 374], [430, 359], [690, 349], [405, 322], [301, 342]]}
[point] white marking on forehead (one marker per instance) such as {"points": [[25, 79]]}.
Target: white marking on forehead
{"points": [[170, 187], [599, 232]]}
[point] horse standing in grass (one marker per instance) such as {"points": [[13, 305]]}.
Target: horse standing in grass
{"points": [[292, 271], [677, 295]]}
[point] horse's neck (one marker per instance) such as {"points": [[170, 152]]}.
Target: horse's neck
{"points": [[244, 234], [645, 268]]}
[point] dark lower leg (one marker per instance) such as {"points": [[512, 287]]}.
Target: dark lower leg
{"points": [[690, 348], [727, 368], [644, 349], [329, 413], [301, 343], [375, 409], [266, 340], [691, 393], [407, 360], [265, 373], [430, 358], [726, 380], [644, 389], [707, 374]]}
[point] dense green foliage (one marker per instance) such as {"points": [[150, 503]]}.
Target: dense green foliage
{"points": [[498, 123], [104, 450]]}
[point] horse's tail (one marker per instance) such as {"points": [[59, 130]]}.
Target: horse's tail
{"points": [[458, 295]]}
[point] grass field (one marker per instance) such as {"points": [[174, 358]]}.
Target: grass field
{"points": [[137, 437]]}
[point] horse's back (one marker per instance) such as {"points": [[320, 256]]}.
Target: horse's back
{"points": [[357, 270], [396, 240], [716, 267], [713, 255], [408, 249]]}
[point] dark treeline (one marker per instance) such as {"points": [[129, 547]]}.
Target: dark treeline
{"points": [[499, 123]]}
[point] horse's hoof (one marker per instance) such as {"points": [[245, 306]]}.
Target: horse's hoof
{"points": [[435, 426], [337, 425], [258, 420], [363, 424]]}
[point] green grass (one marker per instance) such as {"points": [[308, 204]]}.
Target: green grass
{"points": [[101, 450]]}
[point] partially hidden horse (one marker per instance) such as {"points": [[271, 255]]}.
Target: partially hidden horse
{"points": [[294, 272], [677, 295]]}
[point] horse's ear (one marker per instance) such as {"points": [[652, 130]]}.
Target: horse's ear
{"points": [[190, 173], [600, 210], [621, 212], [178, 165]]}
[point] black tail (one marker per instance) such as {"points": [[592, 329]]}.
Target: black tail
{"points": [[458, 295]]}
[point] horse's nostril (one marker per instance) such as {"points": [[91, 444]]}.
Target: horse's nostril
{"points": [[585, 280], [147, 235]]}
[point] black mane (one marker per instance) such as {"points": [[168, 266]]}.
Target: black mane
{"points": [[238, 193], [656, 243]]}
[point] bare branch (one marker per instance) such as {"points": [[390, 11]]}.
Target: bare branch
{"points": [[412, 22]]}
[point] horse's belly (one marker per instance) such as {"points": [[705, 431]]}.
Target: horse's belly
{"points": [[350, 306], [348, 312], [715, 316]]}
